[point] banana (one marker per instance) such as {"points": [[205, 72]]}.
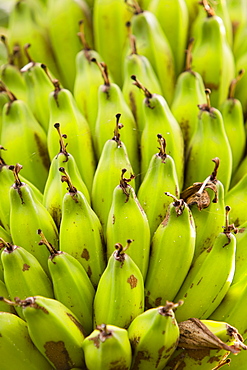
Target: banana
{"points": [[71, 284], [17, 349], [121, 284], [54, 330], [232, 114], [54, 191], [81, 233], [109, 19], [113, 158], [5, 236], [153, 44], [204, 145], [63, 109], [27, 215], [241, 257], [111, 102], [39, 86], [127, 220], [159, 120], [240, 172], [172, 251], [107, 346], [200, 292], [31, 151], [154, 336], [161, 175], [189, 93], [135, 64], [4, 293], [23, 274], [169, 13], [64, 41], [207, 204], [210, 51]]}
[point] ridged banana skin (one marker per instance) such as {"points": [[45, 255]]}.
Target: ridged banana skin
{"points": [[189, 93], [63, 109], [110, 33], [160, 120], [17, 349], [106, 351], [231, 309], [127, 220], [236, 198], [172, 251], [111, 102], [168, 13], [154, 337], [3, 306], [73, 288], [209, 53], [204, 145], [209, 221], [24, 276], [160, 177], [31, 150], [152, 43], [232, 113], [208, 280], [81, 235], [27, 215], [56, 332], [113, 159], [55, 190], [121, 284]]}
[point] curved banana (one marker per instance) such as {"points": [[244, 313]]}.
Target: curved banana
{"points": [[236, 198]]}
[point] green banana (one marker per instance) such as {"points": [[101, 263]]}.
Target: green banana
{"points": [[154, 336], [189, 93], [240, 93], [153, 44], [5, 236], [121, 284], [3, 51], [159, 119], [17, 349], [71, 284], [210, 52], [4, 293], [54, 330], [240, 172], [18, 122], [107, 346], [110, 33], [204, 145], [137, 65], [161, 175], [172, 251], [168, 13], [64, 42], [110, 102], [63, 109], [113, 158], [241, 258], [38, 86], [54, 191], [127, 220], [27, 215], [207, 204], [200, 292], [23, 274], [232, 114], [81, 233], [4, 98], [236, 198]]}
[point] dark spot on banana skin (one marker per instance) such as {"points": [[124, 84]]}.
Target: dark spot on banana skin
{"points": [[25, 267], [85, 254], [57, 353]]}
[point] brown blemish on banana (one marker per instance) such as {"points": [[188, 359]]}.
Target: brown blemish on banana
{"points": [[132, 104], [85, 254], [25, 267], [89, 272], [158, 301], [132, 280], [118, 365], [160, 352], [57, 353], [96, 341], [141, 355], [42, 151], [76, 322]]}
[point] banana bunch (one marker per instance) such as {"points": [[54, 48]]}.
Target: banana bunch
{"points": [[123, 177]]}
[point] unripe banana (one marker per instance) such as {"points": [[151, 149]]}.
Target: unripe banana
{"points": [[127, 220], [16, 347], [121, 284], [4, 293], [172, 251], [107, 346], [236, 198]]}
